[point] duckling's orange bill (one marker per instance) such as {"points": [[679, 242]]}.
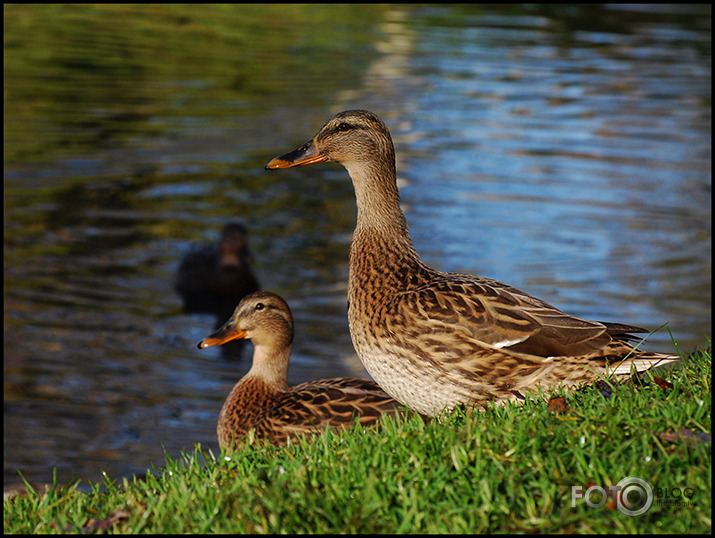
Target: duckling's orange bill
{"points": [[306, 154], [225, 334]]}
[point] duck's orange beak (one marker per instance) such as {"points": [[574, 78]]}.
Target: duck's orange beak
{"points": [[306, 154], [230, 331]]}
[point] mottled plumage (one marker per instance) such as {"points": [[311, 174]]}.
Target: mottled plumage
{"points": [[263, 401], [433, 340]]}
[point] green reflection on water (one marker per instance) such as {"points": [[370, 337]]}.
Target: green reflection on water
{"points": [[86, 75]]}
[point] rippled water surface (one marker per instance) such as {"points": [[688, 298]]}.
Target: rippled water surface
{"points": [[564, 150]]}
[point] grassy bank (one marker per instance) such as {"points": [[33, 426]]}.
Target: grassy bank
{"points": [[508, 469]]}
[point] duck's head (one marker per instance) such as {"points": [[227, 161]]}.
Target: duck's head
{"points": [[262, 317], [233, 246], [352, 137]]}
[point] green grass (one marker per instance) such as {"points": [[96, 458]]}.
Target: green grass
{"points": [[507, 469]]}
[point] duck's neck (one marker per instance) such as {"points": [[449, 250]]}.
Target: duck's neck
{"points": [[381, 247], [230, 259], [378, 200], [270, 364]]}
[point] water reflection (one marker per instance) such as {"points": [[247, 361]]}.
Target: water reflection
{"points": [[565, 151]]}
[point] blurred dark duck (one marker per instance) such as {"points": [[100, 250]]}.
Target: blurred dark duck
{"points": [[214, 279], [435, 340], [263, 401]]}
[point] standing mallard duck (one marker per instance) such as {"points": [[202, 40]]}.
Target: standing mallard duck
{"points": [[434, 340], [264, 402]]}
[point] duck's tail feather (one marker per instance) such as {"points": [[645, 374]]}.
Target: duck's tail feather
{"points": [[640, 362]]}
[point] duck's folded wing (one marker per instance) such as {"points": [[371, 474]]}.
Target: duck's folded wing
{"points": [[458, 308], [314, 405]]}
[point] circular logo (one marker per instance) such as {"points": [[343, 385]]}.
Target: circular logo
{"points": [[635, 496]]}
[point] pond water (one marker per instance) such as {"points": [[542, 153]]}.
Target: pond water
{"points": [[565, 150]]}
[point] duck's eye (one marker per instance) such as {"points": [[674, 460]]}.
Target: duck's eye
{"points": [[344, 127], [260, 306]]}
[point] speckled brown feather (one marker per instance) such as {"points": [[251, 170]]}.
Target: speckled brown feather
{"points": [[433, 340], [279, 415], [263, 401]]}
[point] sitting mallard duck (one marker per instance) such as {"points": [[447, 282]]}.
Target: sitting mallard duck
{"points": [[264, 402], [214, 279], [434, 340]]}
